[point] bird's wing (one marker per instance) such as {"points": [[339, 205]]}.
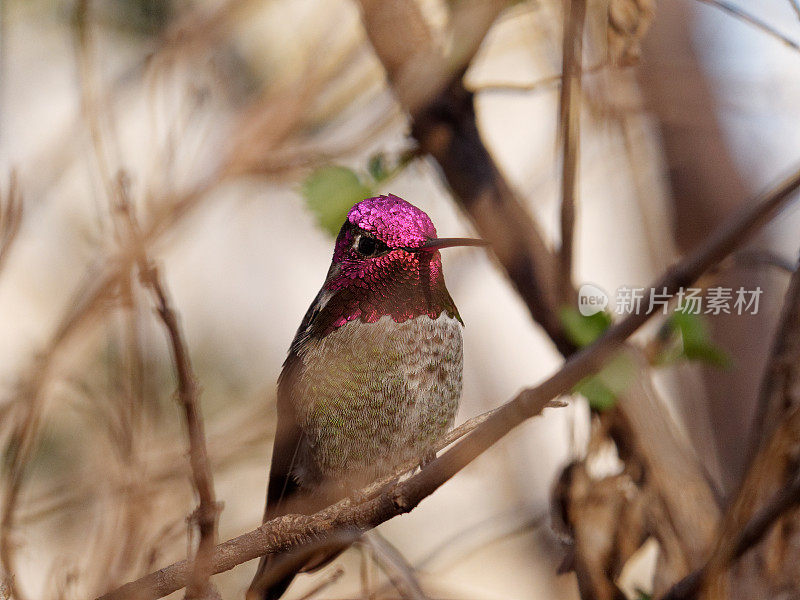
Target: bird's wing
{"points": [[288, 444], [282, 487]]}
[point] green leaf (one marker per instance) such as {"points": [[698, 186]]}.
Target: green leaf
{"points": [[377, 167], [330, 192], [696, 341], [602, 389], [583, 330], [598, 395]]}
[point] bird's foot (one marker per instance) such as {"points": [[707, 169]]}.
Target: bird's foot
{"points": [[427, 459]]}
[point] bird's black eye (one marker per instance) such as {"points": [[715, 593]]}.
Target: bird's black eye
{"points": [[368, 246]]}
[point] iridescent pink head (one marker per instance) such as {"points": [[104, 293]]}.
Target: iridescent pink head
{"points": [[393, 221], [387, 262]]}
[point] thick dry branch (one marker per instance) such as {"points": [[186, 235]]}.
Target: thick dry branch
{"points": [[569, 119], [445, 127], [780, 373], [294, 530]]}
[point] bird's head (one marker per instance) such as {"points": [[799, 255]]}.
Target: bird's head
{"points": [[387, 262]]}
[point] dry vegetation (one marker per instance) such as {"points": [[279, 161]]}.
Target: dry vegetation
{"points": [[94, 448]]}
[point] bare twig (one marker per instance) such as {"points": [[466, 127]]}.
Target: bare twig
{"points": [[95, 292], [569, 121], [784, 500], [396, 567], [746, 17], [780, 374], [10, 217], [335, 576], [795, 4], [292, 530], [524, 86], [754, 258], [207, 511]]}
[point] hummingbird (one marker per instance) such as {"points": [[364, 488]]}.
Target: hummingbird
{"points": [[373, 376]]}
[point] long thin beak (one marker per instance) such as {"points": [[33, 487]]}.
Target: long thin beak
{"points": [[438, 243]]}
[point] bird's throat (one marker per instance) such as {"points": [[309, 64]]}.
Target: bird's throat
{"points": [[406, 292]]}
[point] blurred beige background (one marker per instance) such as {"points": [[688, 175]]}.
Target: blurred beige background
{"points": [[244, 264]]}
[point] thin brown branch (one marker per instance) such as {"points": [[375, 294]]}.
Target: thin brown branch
{"points": [[335, 576], [207, 511], [795, 4], [780, 373], [96, 291], [746, 17], [569, 122], [188, 397], [396, 567], [10, 218], [291, 531], [533, 86]]}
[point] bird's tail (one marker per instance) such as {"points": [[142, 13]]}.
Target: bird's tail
{"points": [[267, 583], [276, 572]]}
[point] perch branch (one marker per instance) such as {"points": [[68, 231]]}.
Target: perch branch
{"points": [[293, 530]]}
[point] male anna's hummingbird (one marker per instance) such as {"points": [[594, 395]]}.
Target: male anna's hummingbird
{"points": [[373, 375]]}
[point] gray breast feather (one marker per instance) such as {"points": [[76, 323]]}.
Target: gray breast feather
{"points": [[372, 395]]}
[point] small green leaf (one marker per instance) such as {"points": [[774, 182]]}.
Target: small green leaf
{"points": [[330, 192], [377, 167], [602, 389], [598, 395], [697, 344], [583, 330]]}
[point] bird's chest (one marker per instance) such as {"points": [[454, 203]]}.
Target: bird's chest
{"points": [[373, 395]]}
